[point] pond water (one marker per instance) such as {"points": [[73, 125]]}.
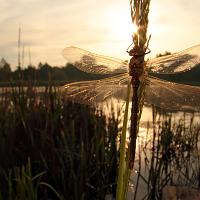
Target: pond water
{"points": [[167, 153], [167, 150]]}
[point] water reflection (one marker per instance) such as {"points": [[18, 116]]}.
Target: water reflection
{"points": [[167, 151]]}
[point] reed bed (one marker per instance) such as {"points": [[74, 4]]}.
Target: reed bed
{"points": [[51, 148], [168, 155]]}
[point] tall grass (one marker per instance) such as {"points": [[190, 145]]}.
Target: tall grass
{"points": [[169, 155], [52, 148], [76, 147]]}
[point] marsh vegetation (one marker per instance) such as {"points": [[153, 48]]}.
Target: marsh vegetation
{"points": [[53, 148]]}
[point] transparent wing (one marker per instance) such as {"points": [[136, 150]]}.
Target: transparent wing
{"points": [[94, 63], [177, 62], [161, 93], [172, 96], [164, 94], [89, 92]]}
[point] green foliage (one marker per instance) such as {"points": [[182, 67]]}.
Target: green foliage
{"points": [[26, 185], [124, 171], [74, 144]]}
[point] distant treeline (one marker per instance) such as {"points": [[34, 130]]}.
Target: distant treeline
{"points": [[191, 77], [43, 74]]}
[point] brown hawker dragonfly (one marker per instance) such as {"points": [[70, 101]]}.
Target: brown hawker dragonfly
{"points": [[164, 94]]}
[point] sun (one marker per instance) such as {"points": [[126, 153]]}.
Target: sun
{"points": [[122, 28], [135, 28]]}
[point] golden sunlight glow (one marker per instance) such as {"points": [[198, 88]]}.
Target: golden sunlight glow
{"points": [[104, 27], [123, 27], [135, 28], [120, 27]]}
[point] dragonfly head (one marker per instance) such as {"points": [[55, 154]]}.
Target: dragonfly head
{"points": [[136, 52]]}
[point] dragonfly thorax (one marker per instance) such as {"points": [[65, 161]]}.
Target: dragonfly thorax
{"points": [[136, 67]]}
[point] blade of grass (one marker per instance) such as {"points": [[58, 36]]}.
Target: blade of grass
{"points": [[122, 162], [50, 187]]}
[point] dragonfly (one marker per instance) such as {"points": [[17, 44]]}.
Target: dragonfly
{"points": [[159, 92]]}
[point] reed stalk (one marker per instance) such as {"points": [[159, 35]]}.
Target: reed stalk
{"points": [[122, 163], [139, 15]]}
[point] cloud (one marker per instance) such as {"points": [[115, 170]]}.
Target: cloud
{"points": [[49, 25]]}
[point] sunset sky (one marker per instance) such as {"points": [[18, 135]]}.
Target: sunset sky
{"points": [[101, 26]]}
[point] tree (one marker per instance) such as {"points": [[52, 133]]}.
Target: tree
{"points": [[5, 70], [166, 53]]}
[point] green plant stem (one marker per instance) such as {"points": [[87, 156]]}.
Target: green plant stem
{"points": [[122, 163]]}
